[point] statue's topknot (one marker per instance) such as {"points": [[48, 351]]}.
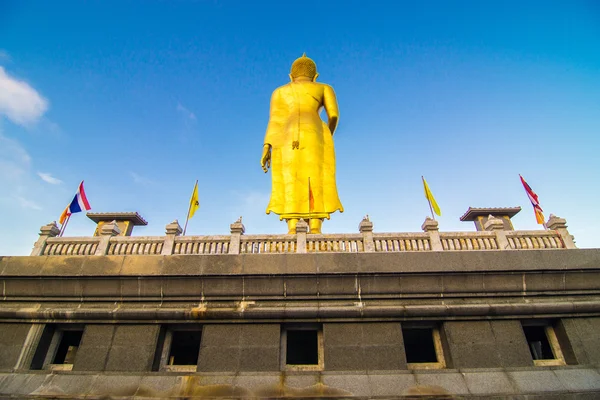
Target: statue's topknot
{"points": [[304, 66]]}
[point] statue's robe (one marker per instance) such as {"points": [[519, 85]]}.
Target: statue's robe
{"points": [[294, 117]]}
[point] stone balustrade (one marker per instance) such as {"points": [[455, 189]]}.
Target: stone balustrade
{"points": [[366, 241]]}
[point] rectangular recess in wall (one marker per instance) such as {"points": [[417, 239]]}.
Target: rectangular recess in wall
{"points": [[179, 348], [302, 347], [423, 347], [57, 347], [543, 343]]}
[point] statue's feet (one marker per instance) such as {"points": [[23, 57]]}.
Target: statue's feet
{"points": [[292, 222], [315, 225]]}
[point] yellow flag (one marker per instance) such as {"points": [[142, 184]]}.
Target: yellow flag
{"points": [[431, 199], [194, 202]]}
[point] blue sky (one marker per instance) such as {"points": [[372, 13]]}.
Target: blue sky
{"points": [[141, 98]]}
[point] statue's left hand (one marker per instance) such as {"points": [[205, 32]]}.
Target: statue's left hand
{"points": [[265, 160]]}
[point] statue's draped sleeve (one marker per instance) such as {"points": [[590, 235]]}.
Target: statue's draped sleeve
{"points": [[331, 107]]}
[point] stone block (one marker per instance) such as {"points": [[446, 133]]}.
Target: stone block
{"points": [[115, 385], [350, 384], [463, 283], [489, 383], [536, 381], [159, 386], [380, 284], [130, 358], [22, 384], [390, 384], [183, 264], [579, 379], [142, 265], [68, 385], [222, 265], [102, 265], [63, 266], [421, 284], [263, 286], [182, 287], [217, 335], [582, 280], [496, 282], [22, 266], [382, 357], [223, 286], [545, 281], [452, 382], [219, 359], [338, 285], [487, 344], [363, 346], [302, 286], [344, 358], [263, 264], [12, 339], [259, 359], [101, 287], [584, 337], [133, 348], [260, 385], [260, 335], [60, 288], [94, 347]]}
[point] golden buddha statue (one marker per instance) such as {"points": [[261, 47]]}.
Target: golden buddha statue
{"points": [[299, 149]]}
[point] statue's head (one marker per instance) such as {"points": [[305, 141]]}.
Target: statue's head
{"points": [[304, 66]]}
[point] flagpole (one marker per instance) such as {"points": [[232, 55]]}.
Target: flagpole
{"points": [[189, 209], [64, 226], [428, 200]]}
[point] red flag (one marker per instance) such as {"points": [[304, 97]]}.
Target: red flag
{"points": [[537, 209]]}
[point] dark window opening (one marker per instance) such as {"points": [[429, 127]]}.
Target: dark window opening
{"points": [[42, 348], [538, 342], [302, 347], [69, 343], [185, 346], [419, 345]]}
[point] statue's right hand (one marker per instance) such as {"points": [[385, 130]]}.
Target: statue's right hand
{"points": [[265, 160]]}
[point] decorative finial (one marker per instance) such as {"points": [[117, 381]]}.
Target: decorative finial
{"points": [[304, 54]]}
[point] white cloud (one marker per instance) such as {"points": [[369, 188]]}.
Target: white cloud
{"points": [[141, 180], [14, 159], [4, 56], [187, 113], [25, 203], [46, 177], [19, 102]]}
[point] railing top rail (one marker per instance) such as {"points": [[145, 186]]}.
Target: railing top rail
{"points": [[532, 233], [137, 239], [215, 238], [74, 239]]}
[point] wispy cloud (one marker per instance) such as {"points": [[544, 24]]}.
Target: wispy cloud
{"points": [[46, 177], [4, 56], [140, 180], [19, 102], [14, 159], [185, 112], [26, 203]]}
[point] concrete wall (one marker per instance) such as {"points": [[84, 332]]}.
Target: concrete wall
{"points": [[117, 348], [363, 346], [487, 344], [240, 347], [584, 338], [12, 339]]}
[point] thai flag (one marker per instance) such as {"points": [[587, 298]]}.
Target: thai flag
{"points": [[533, 197], [79, 203]]}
